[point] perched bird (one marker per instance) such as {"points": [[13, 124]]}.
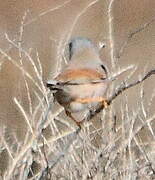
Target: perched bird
{"points": [[82, 84]]}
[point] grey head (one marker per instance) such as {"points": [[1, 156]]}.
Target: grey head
{"points": [[80, 43]]}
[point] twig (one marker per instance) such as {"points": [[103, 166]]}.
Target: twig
{"points": [[132, 34], [46, 12], [56, 159], [46, 173], [121, 89], [111, 37]]}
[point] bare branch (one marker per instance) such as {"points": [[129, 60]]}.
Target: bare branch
{"points": [[46, 12], [121, 89], [60, 155], [132, 34]]}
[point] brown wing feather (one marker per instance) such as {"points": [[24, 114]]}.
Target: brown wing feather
{"points": [[74, 74]]}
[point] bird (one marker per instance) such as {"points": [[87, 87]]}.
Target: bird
{"points": [[82, 84]]}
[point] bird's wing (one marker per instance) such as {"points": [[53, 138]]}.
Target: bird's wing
{"points": [[77, 77], [80, 76]]}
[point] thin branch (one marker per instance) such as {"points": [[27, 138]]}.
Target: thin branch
{"points": [[125, 87], [121, 89], [46, 173], [60, 155], [24, 115], [111, 38], [132, 34], [46, 12]]}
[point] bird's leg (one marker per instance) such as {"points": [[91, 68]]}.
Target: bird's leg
{"points": [[104, 103], [70, 115]]}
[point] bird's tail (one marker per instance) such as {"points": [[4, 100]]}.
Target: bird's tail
{"points": [[53, 85]]}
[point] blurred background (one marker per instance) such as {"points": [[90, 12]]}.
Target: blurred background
{"points": [[33, 38]]}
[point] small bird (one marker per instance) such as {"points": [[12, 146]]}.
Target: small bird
{"points": [[82, 84]]}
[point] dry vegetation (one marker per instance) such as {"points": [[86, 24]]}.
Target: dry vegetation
{"points": [[117, 144]]}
